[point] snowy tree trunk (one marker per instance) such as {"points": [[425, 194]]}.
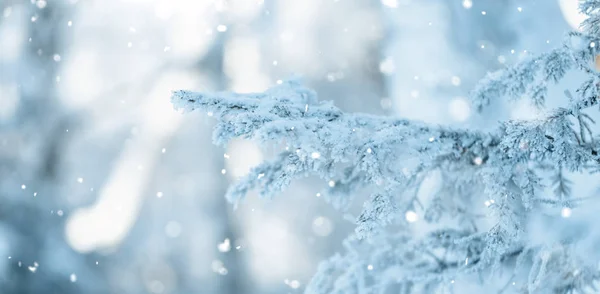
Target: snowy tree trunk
{"points": [[235, 281], [40, 259]]}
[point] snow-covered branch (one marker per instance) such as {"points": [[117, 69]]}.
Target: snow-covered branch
{"points": [[505, 169]]}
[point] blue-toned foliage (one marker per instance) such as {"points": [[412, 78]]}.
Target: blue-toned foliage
{"points": [[491, 184]]}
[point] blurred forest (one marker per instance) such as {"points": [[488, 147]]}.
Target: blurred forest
{"points": [[104, 188]]}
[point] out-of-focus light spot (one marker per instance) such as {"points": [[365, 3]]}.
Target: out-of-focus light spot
{"points": [[41, 4], [467, 4], [566, 212], [387, 66], [218, 267], [570, 11], [414, 93], [80, 180], [334, 76], [390, 3], [370, 267], [221, 28], [520, 9], [23, 187], [331, 183], [73, 278], [69, 23], [483, 13], [477, 160], [386, 103], [294, 284], [455, 81], [173, 229], [331, 77], [411, 216], [315, 155], [459, 109], [159, 194], [322, 226]]}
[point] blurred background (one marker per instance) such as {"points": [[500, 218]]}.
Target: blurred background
{"points": [[104, 188]]}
